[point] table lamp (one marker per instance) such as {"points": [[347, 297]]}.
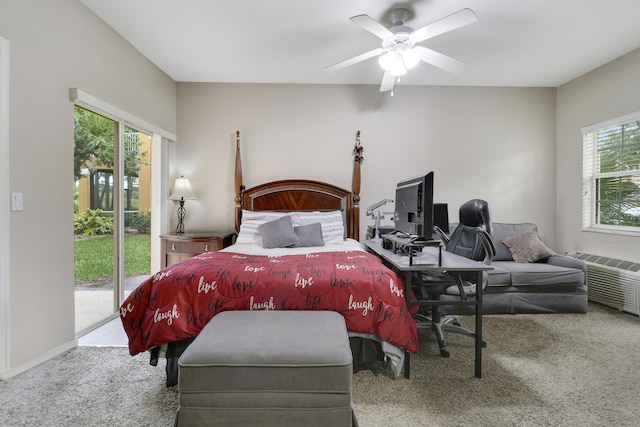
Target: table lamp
{"points": [[181, 192]]}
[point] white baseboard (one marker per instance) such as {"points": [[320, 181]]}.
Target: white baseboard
{"points": [[38, 360]]}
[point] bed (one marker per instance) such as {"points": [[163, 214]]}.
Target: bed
{"points": [[296, 249]]}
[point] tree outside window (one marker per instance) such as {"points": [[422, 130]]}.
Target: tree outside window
{"points": [[94, 137]]}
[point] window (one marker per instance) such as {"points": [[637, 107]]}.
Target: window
{"points": [[611, 176]]}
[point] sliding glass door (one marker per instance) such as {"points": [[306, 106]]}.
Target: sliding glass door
{"points": [[112, 214], [136, 208]]}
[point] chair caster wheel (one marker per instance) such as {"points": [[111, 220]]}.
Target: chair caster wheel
{"points": [[444, 352], [484, 344]]}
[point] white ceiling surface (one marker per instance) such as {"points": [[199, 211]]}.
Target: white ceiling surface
{"points": [[531, 43]]}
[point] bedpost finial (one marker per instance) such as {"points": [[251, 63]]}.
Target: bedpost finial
{"points": [[358, 150]]}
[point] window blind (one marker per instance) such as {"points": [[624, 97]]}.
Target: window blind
{"points": [[611, 175]]}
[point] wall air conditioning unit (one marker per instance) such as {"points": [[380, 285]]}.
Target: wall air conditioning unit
{"points": [[612, 282]]}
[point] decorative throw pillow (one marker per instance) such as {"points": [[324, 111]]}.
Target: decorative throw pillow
{"points": [[332, 223], [278, 233], [309, 235], [527, 247], [503, 230]]}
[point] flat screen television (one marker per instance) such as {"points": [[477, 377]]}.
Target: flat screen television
{"points": [[414, 206]]}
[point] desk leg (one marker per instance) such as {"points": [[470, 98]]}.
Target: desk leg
{"points": [[479, 291], [407, 364], [407, 295]]}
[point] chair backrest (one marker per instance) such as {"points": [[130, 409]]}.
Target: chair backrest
{"points": [[476, 213], [472, 237], [472, 242]]}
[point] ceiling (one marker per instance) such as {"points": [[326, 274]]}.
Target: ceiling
{"points": [[536, 43]]}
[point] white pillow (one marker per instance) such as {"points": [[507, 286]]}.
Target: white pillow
{"points": [[331, 222], [251, 220]]}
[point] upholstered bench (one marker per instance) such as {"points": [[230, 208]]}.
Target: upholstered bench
{"points": [[267, 368]]}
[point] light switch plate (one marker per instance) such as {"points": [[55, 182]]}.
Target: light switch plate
{"points": [[16, 202]]}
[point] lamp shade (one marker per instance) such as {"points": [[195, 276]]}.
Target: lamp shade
{"points": [[182, 190]]}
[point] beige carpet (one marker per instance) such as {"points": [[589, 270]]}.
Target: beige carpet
{"points": [[538, 370], [555, 370]]}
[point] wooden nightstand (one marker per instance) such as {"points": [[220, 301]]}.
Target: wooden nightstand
{"points": [[177, 247]]}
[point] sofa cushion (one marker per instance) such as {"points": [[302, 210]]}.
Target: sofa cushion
{"points": [[527, 247], [540, 273], [503, 230], [499, 276]]}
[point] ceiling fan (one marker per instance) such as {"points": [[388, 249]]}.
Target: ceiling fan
{"points": [[399, 51]]}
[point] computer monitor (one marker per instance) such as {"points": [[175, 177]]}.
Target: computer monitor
{"points": [[414, 206], [441, 216]]}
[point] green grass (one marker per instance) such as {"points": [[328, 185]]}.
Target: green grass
{"points": [[94, 256]]}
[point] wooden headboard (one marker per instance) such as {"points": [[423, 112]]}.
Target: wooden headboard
{"points": [[301, 194]]}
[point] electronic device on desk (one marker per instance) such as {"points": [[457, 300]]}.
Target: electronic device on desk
{"points": [[409, 245], [414, 206], [374, 212], [372, 231], [413, 217]]}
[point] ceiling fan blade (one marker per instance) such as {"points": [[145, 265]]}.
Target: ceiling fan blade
{"points": [[445, 62], [355, 59], [455, 20], [388, 80], [371, 25]]}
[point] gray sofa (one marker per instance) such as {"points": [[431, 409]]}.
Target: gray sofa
{"points": [[552, 284]]}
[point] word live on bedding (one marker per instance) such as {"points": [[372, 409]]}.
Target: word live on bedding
{"points": [[178, 301]]}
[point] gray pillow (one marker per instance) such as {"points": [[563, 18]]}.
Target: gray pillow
{"points": [[278, 233], [309, 235], [527, 247]]}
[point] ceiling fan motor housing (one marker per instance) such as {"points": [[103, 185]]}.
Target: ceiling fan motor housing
{"points": [[398, 42], [401, 39], [398, 16]]}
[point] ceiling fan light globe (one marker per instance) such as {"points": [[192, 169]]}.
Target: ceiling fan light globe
{"points": [[387, 61], [410, 58], [398, 69]]}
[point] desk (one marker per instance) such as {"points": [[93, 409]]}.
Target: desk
{"points": [[428, 262]]}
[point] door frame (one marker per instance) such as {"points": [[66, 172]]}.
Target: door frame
{"points": [[4, 207]]}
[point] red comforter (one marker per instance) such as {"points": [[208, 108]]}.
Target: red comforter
{"points": [[178, 301]]}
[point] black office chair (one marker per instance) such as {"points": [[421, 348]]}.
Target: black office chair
{"points": [[471, 239]]}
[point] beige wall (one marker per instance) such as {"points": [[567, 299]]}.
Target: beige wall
{"points": [[56, 46], [608, 92], [492, 143]]}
